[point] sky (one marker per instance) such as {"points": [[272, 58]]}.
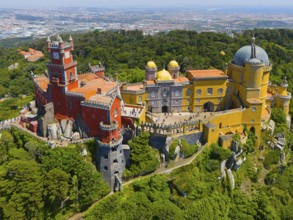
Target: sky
{"points": [[142, 4]]}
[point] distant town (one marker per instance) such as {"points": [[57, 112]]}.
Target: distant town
{"points": [[38, 23]]}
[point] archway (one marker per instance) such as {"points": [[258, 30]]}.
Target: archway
{"points": [[209, 106], [165, 109], [252, 129]]}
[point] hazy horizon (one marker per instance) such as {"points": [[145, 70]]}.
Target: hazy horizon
{"points": [[146, 4]]}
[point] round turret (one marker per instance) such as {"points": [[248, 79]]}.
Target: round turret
{"points": [[151, 64], [173, 64]]}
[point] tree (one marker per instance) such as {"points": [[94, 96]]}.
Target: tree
{"points": [[56, 188], [143, 158], [278, 116], [21, 190]]}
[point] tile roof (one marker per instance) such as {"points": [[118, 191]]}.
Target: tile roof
{"points": [[91, 87], [150, 82], [206, 74], [42, 82], [133, 87], [254, 101], [101, 98], [181, 79]]}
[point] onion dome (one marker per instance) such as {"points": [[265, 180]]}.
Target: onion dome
{"points": [[151, 64], [164, 75], [249, 52], [173, 64]]}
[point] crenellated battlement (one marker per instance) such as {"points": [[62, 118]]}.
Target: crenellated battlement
{"points": [[113, 143], [109, 127], [96, 104]]}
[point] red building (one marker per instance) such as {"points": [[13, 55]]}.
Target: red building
{"points": [[90, 99]]}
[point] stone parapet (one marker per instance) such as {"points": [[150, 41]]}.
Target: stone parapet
{"points": [[112, 143], [109, 127]]}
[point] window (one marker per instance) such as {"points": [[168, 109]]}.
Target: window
{"points": [[219, 99], [105, 168], [115, 161], [228, 90], [71, 77], [210, 91], [177, 93], [253, 109], [220, 91], [165, 92], [252, 120], [197, 108], [153, 103], [198, 92], [139, 98], [153, 94], [106, 157], [187, 108], [115, 112], [197, 100], [188, 93]]}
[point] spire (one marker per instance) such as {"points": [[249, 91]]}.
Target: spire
{"points": [[48, 39], [70, 38], [253, 48], [59, 38], [285, 82]]}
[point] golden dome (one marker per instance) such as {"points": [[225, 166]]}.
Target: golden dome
{"points": [[222, 53], [151, 64], [173, 63], [164, 75]]}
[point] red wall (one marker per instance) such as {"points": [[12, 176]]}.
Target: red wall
{"points": [[41, 97]]}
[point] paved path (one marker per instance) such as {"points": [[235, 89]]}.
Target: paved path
{"points": [[161, 170]]}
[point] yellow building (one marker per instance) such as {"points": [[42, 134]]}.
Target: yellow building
{"points": [[240, 95]]}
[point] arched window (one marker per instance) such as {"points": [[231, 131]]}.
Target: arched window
{"points": [[198, 92], [177, 93], [220, 91], [188, 93], [153, 94], [71, 77]]}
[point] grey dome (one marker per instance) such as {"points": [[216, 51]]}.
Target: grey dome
{"points": [[254, 61], [245, 53]]}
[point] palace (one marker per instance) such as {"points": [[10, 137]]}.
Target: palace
{"points": [[218, 103], [242, 94]]}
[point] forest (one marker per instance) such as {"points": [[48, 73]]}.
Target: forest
{"points": [[37, 182]]}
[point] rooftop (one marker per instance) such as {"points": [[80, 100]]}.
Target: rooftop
{"points": [[207, 74], [133, 87], [254, 101], [92, 86], [181, 79], [42, 82]]}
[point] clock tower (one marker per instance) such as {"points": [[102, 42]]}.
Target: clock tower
{"points": [[62, 72]]}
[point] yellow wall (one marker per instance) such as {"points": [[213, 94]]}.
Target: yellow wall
{"points": [[133, 98], [203, 85]]}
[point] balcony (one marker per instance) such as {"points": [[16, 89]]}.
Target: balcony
{"points": [[109, 127]]}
